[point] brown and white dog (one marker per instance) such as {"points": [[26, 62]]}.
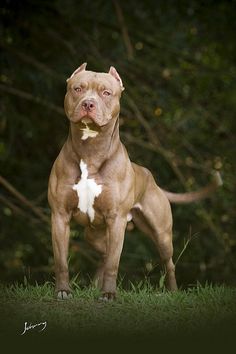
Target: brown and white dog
{"points": [[94, 182]]}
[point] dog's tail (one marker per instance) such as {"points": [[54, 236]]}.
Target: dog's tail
{"points": [[189, 197]]}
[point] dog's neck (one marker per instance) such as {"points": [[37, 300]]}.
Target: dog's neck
{"points": [[94, 151]]}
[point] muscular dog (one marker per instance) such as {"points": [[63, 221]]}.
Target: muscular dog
{"points": [[94, 182]]}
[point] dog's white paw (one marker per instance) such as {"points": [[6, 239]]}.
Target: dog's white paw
{"points": [[107, 297], [63, 295]]}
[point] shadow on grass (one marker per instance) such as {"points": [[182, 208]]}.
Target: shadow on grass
{"points": [[142, 315]]}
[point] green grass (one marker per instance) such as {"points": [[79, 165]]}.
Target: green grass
{"points": [[141, 311]]}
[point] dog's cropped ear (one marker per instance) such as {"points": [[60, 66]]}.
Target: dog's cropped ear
{"points": [[78, 70], [115, 74]]}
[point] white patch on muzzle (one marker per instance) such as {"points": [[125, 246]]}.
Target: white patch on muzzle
{"points": [[87, 132], [87, 190]]}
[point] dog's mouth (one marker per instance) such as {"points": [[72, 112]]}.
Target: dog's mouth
{"points": [[87, 120]]}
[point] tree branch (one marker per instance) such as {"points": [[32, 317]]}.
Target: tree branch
{"points": [[32, 98], [155, 141], [34, 62], [124, 30], [15, 208], [37, 211]]}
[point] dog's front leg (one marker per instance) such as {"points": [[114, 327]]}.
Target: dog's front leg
{"points": [[60, 242], [115, 238]]}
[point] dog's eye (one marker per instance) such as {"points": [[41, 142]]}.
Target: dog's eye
{"points": [[106, 93], [78, 89]]}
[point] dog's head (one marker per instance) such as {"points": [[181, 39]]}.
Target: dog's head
{"points": [[93, 97]]}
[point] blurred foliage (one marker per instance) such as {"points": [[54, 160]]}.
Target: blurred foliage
{"points": [[177, 62]]}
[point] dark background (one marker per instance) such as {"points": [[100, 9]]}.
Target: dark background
{"points": [[177, 62]]}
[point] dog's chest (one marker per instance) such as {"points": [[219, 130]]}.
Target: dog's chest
{"points": [[87, 190]]}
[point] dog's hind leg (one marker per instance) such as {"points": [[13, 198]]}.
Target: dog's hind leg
{"points": [[154, 218]]}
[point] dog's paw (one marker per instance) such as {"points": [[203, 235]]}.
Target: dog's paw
{"points": [[63, 295], [107, 297]]}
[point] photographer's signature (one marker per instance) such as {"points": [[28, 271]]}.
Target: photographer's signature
{"points": [[27, 327]]}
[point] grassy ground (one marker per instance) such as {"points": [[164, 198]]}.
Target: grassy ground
{"points": [[139, 313]]}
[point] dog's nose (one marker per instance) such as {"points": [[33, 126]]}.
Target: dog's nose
{"points": [[88, 105]]}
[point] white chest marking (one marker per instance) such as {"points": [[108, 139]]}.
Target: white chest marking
{"points": [[88, 133], [87, 190]]}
